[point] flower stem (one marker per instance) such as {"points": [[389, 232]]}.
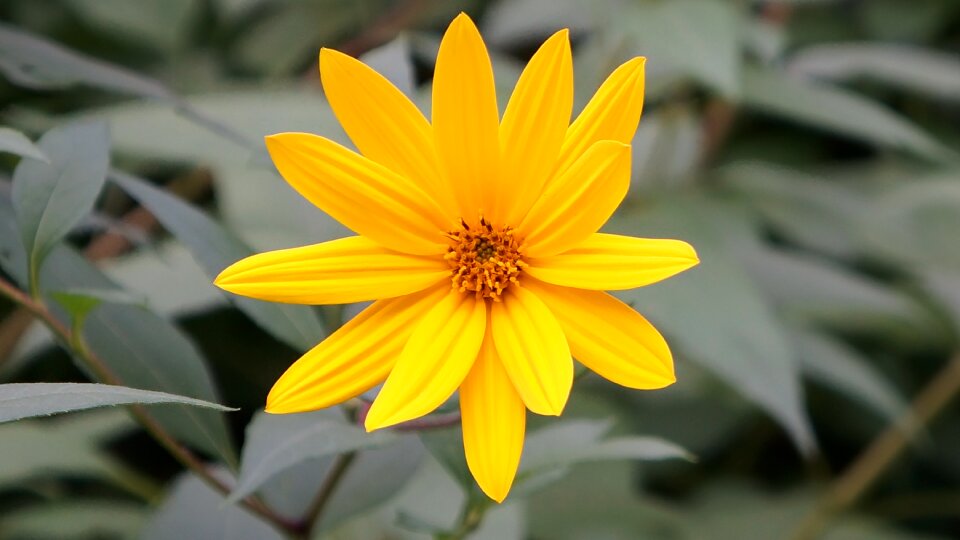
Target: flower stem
{"points": [[470, 520], [73, 341], [882, 452], [330, 483]]}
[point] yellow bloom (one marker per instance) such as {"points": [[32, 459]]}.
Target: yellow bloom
{"points": [[504, 210]]}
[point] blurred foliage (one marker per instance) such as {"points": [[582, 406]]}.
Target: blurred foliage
{"points": [[807, 148]]}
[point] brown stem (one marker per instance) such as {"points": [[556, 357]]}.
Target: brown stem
{"points": [[882, 452], [182, 454], [329, 487]]}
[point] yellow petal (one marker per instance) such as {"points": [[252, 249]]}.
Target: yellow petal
{"points": [[353, 359], [350, 269], [612, 114], [383, 123], [494, 419], [465, 117], [533, 349], [360, 193], [434, 361], [610, 262], [533, 128], [609, 337], [579, 202]]}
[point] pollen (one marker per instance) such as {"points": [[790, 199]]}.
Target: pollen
{"points": [[484, 259]]}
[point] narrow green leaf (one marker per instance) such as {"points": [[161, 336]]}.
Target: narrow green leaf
{"points": [[214, 249], [915, 69], [814, 212], [17, 143], [838, 111], [821, 293], [276, 443], [162, 24], [26, 400], [750, 351], [31, 61], [50, 198], [837, 366]]}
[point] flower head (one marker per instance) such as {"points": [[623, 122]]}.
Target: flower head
{"points": [[477, 239]]}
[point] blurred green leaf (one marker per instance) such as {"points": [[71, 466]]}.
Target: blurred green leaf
{"points": [[80, 302], [141, 348], [393, 60], [215, 249], [549, 451], [78, 519], [374, 477], [14, 142], [275, 443], [837, 111], [522, 22], [256, 203], [25, 400], [842, 368], [749, 351], [916, 224], [813, 212], [193, 510], [915, 69], [34, 449], [819, 292], [34, 62], [50, 198], [695, 38], [162, 24]]}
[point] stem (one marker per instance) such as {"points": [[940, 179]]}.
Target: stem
{"points": [[883, 451], [330, 483], [73, 341], [469, 521]]}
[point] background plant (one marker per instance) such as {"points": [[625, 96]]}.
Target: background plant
{"points": [[808, 149]]}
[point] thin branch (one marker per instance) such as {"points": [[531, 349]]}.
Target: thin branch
{"points": [[337, 471], [882, 452], [182, 454]]}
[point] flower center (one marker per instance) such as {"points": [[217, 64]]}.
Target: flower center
{"points": [[484, 260]]}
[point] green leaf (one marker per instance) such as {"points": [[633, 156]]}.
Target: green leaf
{"points": [[393, 61], [50, 198], [809, 210], [214, 249], [14, 142], [838, 111], [276, 443], [34, 449], [842, 368], [194, 510], [76, 519], [818, 292], [388, 469], [549, 451], [915, 69], [26, 400], [695, 38], [80, 302], [141, 348], [750, 351], [161, 24], [33, 62]]}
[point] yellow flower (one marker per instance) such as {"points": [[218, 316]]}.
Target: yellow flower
{"points": [[477, 239]]}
